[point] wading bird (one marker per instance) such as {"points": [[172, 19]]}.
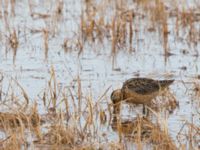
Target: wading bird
{"points": [[139, 91]]}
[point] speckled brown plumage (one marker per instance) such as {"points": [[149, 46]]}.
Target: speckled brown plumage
{"points": [[139, 90]]}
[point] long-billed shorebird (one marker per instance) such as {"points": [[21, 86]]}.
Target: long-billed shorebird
{"points": [[139, 91]]}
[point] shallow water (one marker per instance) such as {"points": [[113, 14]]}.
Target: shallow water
{"points": [[95, 66]]}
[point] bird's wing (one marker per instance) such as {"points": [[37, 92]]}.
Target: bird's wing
{"points": [[142, 85]]}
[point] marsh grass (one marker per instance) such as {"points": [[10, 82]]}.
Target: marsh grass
{"points": [[74, 120], [120, 28], [142, 131], [120, 23], [79, 122]]}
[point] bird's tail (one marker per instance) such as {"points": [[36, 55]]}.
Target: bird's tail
{"points": [[165, 83]]}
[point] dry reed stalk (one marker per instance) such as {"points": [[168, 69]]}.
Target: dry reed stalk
{"points": [[138, 136], [103, 117], [12, 142], [31, 5], [90, 29], [193, 32], [142, 131], [88, 23], [142, 2], [14, 43], [99, 31], [14, 120], [74, 104], [65, 45], [119, 129], [59, 135], [56, 17], [44, 99], [5, 16], [59, 8], [114, 41], [161, 12], [167, 102], [122, 32], [12, 123], [165, 38], [46, 44], [34, 121], [186, 18], [66, 104], [80, 45], [12, 2], [82, 26], [79, 94], [25, 95], [130, 30], [90, 117], [196, 89], [188, 136], [177, 26], [102, 96], [110, 112], [53, 87]]}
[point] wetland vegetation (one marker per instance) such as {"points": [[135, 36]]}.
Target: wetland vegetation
{"points": [[61, 60]]}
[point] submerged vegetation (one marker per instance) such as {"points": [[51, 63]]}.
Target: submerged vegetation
{"points": [[72, 115]]}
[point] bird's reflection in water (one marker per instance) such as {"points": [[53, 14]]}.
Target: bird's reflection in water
{"points": [[141, 131]]}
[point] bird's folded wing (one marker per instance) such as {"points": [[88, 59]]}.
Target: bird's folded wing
{"points": [[142, 86]]}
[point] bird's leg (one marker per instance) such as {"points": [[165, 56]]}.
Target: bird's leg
{"points": [[144, 109], [147, 112]]}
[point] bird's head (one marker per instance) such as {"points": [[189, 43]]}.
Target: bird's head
{"points": [[116, 96]]}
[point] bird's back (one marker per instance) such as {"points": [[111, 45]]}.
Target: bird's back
{"points": [[145, 86]]}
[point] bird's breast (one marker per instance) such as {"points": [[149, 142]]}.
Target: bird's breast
{"points": [[133, 97]]}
